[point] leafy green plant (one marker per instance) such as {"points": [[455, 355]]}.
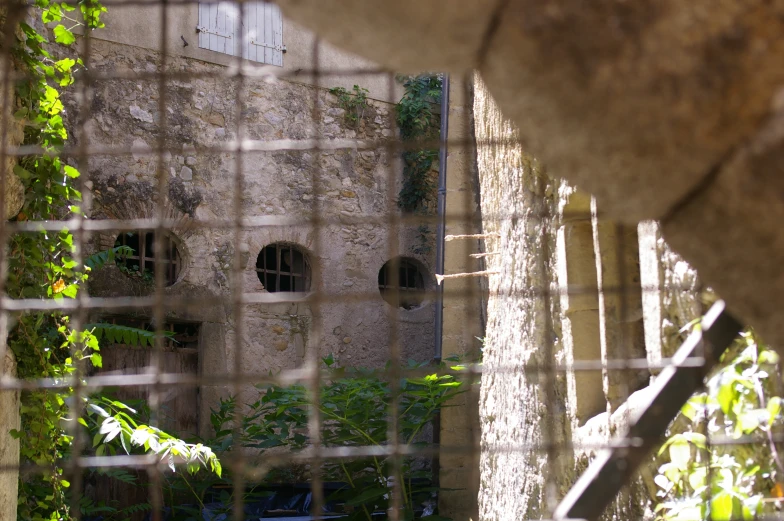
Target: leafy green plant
{"points": [[114, 428], [41, 265], [354, 102], [354, 407], [702, 479], [416, 121], [145, 275]]}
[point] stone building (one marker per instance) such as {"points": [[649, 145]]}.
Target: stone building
{"points": [[355, 197], [554, 260], [544, 236]]}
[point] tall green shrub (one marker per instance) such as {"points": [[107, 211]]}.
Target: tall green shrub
{"points": [[354, 407]]}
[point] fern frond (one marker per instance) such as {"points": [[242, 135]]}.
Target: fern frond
{"points": [[139, 507], [120, 475], [131, 336], [102, 258]]}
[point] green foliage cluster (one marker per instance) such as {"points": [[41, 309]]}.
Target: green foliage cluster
{"points": [[354, 102], [42, 266], [706, 480], [354, 407], [115, 427], [102, 258], [132, 336], [110, 420], [416, 121]]}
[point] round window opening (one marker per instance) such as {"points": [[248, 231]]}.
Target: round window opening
{"points": [[137, 257], [283, 267], [402, 283]]}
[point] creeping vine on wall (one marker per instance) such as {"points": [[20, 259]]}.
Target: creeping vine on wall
{"points": [[42, 266], [353, 101], [416, 122]]}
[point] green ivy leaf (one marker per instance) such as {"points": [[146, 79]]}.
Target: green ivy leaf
{"points": [[22, 173], [71, 290], [721, 507], [63, 36], [727, 395], [680, 454], [774, 409], [53, 14]]}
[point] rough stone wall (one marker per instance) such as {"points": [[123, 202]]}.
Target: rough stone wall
{"points": [[355, 186], [514, 408], [593, 260], [13, 132], [9, 447], [662, 109]]}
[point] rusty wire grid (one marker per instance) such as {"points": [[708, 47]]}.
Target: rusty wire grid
{"points": [[160, 308]]}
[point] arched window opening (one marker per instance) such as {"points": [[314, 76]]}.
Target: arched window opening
{"points": [[141, 262], [407, 290], [283, 267]]}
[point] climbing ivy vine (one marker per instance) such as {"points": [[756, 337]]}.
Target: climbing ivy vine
{"points": [[416, 122], [354, 102], [42, 266], [701, 479]]}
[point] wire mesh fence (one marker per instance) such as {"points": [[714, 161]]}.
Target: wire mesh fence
{"points": [[270, 335]]}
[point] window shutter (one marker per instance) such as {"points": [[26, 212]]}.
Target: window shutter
{"points": [[217, 27], [260, 40], [263, 41]]}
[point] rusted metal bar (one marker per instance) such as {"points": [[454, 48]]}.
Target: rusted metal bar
{"points": [[613, 468]]}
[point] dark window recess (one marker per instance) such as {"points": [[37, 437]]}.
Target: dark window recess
{"points": [[143, 259], [283, 267], [408, 291], [179, 411]]}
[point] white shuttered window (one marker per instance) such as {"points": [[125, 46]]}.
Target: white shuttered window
{"points": [[259, 38]]}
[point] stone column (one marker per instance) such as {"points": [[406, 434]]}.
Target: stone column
{"points": [[620, 306], [13, 134], [462, 318], [670, 299], [579, 304], [9, 446], [518, 407]]}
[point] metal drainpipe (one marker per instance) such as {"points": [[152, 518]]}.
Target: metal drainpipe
{"points": [[440, 232], [441, 226]]}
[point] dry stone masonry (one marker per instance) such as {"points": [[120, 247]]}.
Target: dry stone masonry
{"points": [[663, 110], [354, 186]]}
